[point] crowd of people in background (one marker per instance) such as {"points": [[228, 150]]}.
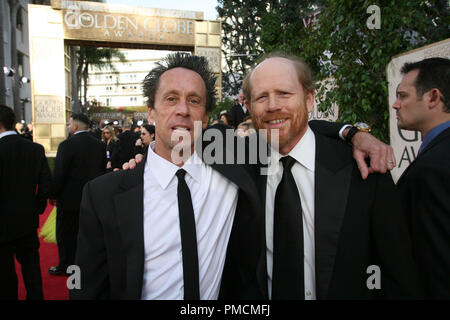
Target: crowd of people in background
{"points": [[237, 117], [25, 130]]}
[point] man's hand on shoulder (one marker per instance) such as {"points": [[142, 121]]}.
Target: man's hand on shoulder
{"points": [[381, 155], [133, 162]]}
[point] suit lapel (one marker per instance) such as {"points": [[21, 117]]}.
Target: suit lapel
{"points": [[239, 175], [332, 182], [129, 210]]}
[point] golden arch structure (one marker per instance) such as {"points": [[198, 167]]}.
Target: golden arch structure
{"points": [[53, 28]]}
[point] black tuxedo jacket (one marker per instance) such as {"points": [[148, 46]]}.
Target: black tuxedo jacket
{"points": [[357, 224], [25, 182], [124, 148], [237, 114], [80, 158], [425, 190], [110, 250]]}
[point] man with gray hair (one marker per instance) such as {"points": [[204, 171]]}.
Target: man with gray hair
{"points": [[238, 111]]}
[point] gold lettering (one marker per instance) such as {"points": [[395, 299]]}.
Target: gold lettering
{"points": [[121, 23], [182, 26], [111, 18], [133, 24], [190, 27], [86, 17]]}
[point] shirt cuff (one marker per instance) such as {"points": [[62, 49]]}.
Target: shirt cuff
{"points": [[342, 130]]}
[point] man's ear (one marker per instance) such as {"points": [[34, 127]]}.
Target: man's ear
{"points": [[309, 101], [247, 104], [434, 97], [150, 115]]}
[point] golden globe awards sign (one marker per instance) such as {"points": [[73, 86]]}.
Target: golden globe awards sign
{"points": [[96, 21], [406, 143]]}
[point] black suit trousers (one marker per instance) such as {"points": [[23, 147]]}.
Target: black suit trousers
{"points": [[26, 250], [66, 236]]}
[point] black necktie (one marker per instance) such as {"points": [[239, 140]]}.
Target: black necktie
{"points": [[288, 254], [188, 239]]}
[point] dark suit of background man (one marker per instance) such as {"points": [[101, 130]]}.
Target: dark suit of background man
{"points": [[334, 225], [80, 158], [124, 149], [423, 104], [239, 111], [25, 182]]}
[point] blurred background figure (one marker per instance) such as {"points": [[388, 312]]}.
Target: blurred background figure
{"points": [[110, 139], [226, 118], [124, 149], [239, 111], [95, 131], [245, 128], [25, 182], [147, 136], [18, 127], [80, 158], [30, 129], [23, 130]]}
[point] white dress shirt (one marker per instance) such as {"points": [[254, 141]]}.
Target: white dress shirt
{"points": [[81, 131], [214, 200], [304, 153]]}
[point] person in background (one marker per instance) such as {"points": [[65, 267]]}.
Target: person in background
{"points": [[245, 129], [125, 146], [423, 104], [226, 119], [25, 183], [239, 110], [110, 139], [147, 136], [79, 159]]}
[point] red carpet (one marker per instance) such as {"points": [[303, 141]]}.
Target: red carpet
{"points": [[54, 286]]}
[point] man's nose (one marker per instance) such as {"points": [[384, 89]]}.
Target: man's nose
{"points": [[182, 108], [396, 104], [274, 103]]}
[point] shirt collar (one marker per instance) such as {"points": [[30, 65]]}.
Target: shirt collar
{"points": [[7, 133], [164, 171], [304, 151], [81, 131], [433, 133]]}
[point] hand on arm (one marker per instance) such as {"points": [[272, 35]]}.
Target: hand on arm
{"points": [[365, 146]]}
